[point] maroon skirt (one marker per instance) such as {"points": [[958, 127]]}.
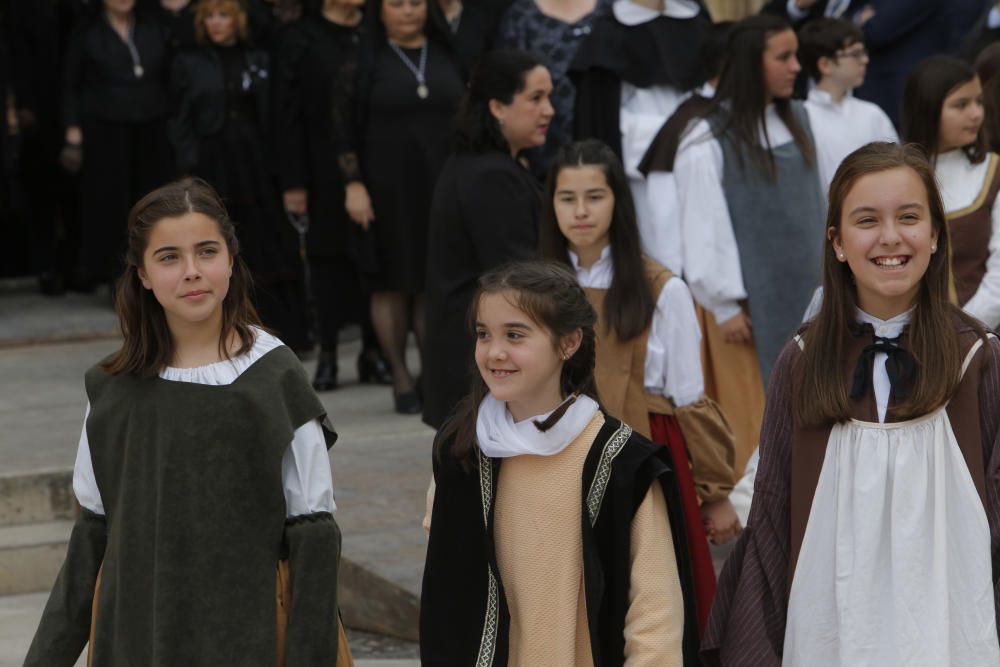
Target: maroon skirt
{"points": [[666, 431]]}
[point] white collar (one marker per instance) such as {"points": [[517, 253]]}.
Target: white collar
{"points": [[630, 13], [707, 90], [499, 436], [886, 328], [599, 275], [821, 97]]}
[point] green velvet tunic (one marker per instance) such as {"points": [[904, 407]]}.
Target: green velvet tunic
{"points": [[190, 478]]}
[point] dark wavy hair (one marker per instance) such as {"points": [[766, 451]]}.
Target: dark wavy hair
{"points": [[820, 391], [927, 87], [148, 346], [742, 94], [499, 75], [629, 304], [550, 295]]}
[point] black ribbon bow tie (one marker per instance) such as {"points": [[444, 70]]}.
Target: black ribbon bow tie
{"points": [[899, 365]]}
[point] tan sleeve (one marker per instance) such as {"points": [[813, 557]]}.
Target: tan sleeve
{"points": [[654, 623], [431, 488], [710, 444]]}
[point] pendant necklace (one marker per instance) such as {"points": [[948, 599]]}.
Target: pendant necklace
{"points": [[422, 90]]}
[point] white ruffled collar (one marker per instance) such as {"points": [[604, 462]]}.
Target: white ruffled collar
{"points": [[499, 436], [889, 328], [225, 371]]}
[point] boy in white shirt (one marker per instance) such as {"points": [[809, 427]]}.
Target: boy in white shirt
{"points": [[832, 52]]}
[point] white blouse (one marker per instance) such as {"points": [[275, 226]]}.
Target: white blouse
{"points": [[673, 350], [305, 466], [711, 258], [960, 183], [840, 128]]}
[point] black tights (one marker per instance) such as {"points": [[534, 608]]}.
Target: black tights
{"points": [[394, 315]]}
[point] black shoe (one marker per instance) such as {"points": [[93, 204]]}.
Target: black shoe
{"points": [[373, 368], [52, 284], [408, 403], [326, 372]]}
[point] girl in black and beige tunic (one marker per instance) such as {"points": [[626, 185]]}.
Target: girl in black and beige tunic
{"points": [[874, 535], [202, 471], [521, 570]]}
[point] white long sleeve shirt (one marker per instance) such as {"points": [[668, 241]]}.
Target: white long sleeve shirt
{"points": [[711, 258], [305, 465], [840, 128], [673, 351], [960, 183]]}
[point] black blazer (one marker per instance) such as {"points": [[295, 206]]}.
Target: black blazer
{"points": [[198, 91], [484, 213]]}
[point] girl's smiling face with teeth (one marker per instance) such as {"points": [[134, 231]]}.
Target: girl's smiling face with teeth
{"points": [[887, 238], [517, 358]]}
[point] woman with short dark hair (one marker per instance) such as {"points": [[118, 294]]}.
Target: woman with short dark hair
{"points": [[485, 210]]}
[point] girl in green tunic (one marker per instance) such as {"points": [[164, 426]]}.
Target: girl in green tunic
{"points": [[202, 470]]}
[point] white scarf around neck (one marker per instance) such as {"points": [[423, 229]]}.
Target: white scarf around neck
{"points": [[500, 437]]}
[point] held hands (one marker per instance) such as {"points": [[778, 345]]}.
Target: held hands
{"points": [[720, 520], [359, 204], [71, 156], [866, 14], [296, 201], [737, 329]]}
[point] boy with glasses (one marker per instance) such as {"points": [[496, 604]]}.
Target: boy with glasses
{"points": [[832, 52]]}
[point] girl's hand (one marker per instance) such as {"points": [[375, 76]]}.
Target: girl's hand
{"points": [[737, 329], [721, 522], [865, 15], [359, 204]]}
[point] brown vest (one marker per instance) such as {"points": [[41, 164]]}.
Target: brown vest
{"points": [[621, 365], [971, 228], [809, 444]]}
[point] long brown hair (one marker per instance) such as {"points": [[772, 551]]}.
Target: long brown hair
{"points": [[148, 346], [549, 294], [629, 305], [742, 95], [927, 87], [822, 395]]}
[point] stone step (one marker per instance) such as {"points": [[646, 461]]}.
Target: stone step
{"points": [[37, 497], [31, 555]]}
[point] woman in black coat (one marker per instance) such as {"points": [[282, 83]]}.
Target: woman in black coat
{"points": [[218, 129], [484, 214], [115, 114], [315, 65], [408, 86]]}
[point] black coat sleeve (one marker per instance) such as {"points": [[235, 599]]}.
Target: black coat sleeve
{"points": [[313, 562], [64, 629], [72, 76], [183, 135], [502, 216], [289, 125]]}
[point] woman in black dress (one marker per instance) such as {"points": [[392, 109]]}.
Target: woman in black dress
{"points": [[485, 211], [221, 97], [115, 114], [316, 61], [408, 87]]}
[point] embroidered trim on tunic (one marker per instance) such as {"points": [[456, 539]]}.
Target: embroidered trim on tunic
{"points": [[488, 643], [612, 449], [981, 197]]}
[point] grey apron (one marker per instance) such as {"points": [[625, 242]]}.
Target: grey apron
{"points": [[779, 228]]}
